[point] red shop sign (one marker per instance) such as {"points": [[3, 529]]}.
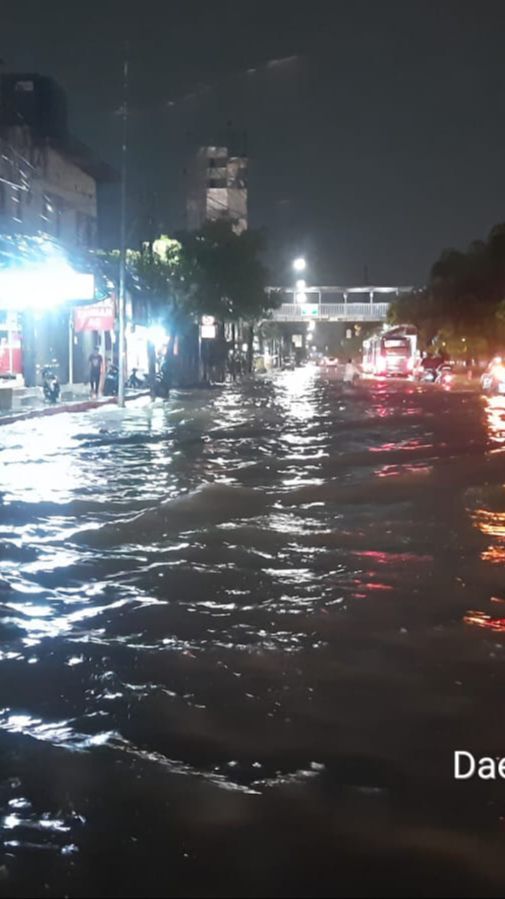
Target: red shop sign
{"points": [[94, 318]]}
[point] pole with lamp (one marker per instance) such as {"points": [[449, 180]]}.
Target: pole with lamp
{"points": [[122, 259], [299, 267]]}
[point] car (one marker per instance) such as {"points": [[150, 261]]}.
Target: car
{"points": [[330, 362], [493, 379]]}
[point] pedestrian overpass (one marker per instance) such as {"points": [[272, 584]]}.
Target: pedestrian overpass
{"points": [[335, 304]]}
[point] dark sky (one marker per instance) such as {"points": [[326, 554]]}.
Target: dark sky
{"points": [[380, 144]]}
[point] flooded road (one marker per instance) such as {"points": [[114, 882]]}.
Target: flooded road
{"points": [[242, 635]]}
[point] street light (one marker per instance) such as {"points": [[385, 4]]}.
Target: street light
{"points": [[299, 266]]}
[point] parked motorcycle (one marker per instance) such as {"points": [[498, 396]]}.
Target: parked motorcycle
{"points": [[135, 382], [50, 386], [111, 384], [162, 386]]}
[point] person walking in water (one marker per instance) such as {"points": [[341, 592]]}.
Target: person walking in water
{"points": [[95, 370], [351, 373]]}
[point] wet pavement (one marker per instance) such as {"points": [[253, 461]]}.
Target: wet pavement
{"points": [[242, 634]]}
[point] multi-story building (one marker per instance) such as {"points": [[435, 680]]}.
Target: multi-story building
{"points": [[218, 189], [48, 179], [48, 188]]}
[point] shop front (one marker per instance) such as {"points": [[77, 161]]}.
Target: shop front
{"points": [[91, 327], [11, 361]]}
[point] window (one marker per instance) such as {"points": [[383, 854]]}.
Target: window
{"points": [[85, 229], [24, 87], [17, 205], [51, 215], [90, 231]]}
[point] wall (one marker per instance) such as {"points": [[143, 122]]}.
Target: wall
{"points": [[48, 193], [57, 197], [218, 188]]}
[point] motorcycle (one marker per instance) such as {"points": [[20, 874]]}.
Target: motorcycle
{"points": [[111, 384], [50, 386], [135, 382], [162, 386], [445, 375]]}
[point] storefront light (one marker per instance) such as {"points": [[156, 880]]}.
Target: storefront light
{"points": [[44, 287], [157, 336]]}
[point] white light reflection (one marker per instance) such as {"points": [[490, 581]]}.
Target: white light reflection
{"points": [[293, 394], [58, 733], [40, 623], [495, 412], [44, 468]]}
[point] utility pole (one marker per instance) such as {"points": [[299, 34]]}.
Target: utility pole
{"points": [[122, 261]]}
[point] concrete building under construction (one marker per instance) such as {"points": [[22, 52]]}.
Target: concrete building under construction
{"points": [[218, 189]]}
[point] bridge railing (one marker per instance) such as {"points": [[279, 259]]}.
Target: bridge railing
{"points": [[351, 312]]}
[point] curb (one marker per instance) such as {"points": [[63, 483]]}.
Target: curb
{"points": [[84, 406]]}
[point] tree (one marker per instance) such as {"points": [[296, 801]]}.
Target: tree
{"points": [[226, 270], [463, 304], [228, 276], [210, 272]]}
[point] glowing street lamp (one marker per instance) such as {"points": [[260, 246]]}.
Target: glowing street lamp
{"points": [[299, 266]]}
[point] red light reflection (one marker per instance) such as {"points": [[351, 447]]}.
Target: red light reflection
{"points": [[480, 619]]}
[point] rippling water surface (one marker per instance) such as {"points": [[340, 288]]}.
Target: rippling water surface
{"points": [[242, 634]]}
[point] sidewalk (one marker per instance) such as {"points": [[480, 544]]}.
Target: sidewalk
{"points": [[29, 403]]}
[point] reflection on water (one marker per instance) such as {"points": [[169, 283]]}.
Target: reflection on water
{"points": [[237, 651], [495, 412]]}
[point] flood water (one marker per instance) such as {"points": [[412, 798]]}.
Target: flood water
{"points": [[242, 634]]}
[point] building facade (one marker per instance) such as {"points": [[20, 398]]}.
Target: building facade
{"points": [[44, 190], [218, 189], [48, 189]]}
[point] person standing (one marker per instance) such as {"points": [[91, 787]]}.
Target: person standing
{"points": [[95, 370], [351, 373]]}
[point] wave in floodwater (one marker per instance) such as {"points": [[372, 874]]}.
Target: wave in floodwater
{"points": [[242, 634]]}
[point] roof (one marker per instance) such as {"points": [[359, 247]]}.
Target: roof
{"points": [[83, 157]]}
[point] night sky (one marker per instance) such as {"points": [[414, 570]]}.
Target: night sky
{"points": [[380, 143]]}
